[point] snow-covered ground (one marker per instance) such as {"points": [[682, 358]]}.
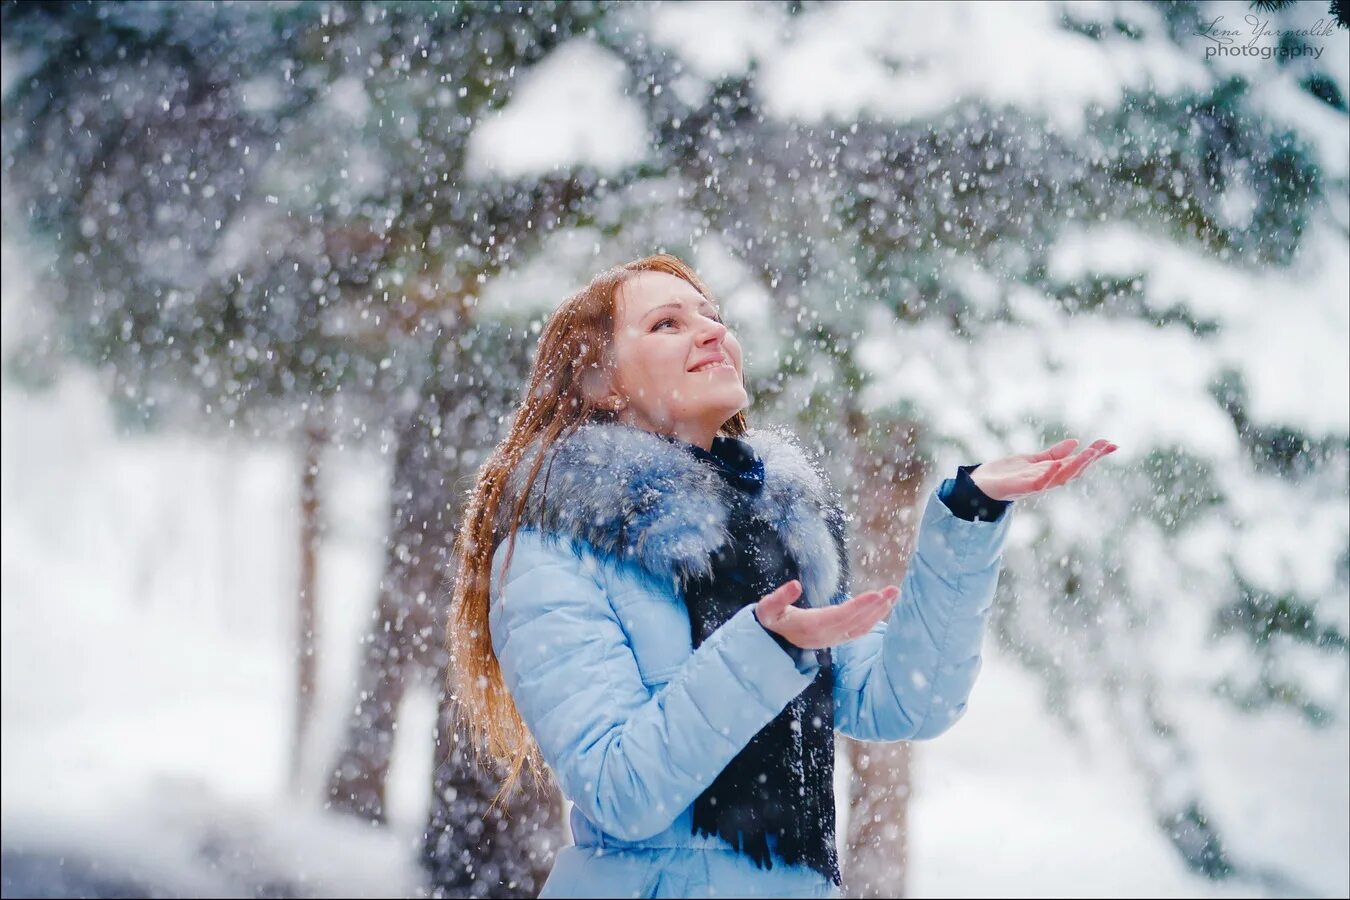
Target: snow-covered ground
{"points": [[148, 595], [147, 606]]}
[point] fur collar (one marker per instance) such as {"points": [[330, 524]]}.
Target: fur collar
{"points": [[631, 494]]}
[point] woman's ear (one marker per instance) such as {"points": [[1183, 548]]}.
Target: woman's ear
{"points": [[597, 385]]}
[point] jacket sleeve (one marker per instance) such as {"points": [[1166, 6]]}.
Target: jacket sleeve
{"points": [[629, 759], [910, 676]]}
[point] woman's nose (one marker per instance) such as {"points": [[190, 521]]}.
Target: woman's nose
{"points": [[713, 332]]}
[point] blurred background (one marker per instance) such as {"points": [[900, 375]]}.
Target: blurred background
{"points": [[272, 276]]}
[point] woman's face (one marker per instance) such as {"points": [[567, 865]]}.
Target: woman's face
{"points": [[665, 335]]}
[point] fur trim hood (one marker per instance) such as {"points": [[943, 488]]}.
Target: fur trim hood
{"points": [[634, 495]]}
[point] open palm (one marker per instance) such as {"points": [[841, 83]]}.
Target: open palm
{"points": [[1014, 477], [827, 626]]}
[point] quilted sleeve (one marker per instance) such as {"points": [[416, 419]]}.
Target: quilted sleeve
{"points": [[909, 678]]}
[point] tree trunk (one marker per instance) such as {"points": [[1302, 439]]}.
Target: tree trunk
{"points": [[307, 622], [407, 626], [469, 851], [878, 793], [392, 656]]}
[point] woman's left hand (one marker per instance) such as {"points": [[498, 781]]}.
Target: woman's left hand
{"points": [[1015, 477]]}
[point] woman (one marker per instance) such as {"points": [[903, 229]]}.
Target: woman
{"points": [[653, 600]]}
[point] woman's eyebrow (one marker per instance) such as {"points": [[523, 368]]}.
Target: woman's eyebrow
{"points": [[678, 305]]}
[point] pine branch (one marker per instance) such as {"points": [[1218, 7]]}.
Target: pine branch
{"points": [[1270, 6], [1340, 12]]}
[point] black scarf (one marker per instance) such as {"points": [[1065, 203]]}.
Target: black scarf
{"points": [[778, 792]]}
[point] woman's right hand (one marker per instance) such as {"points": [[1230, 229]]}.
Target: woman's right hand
{"points": [[815, 629]]}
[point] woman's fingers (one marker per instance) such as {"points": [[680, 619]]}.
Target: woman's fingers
{"points": [[816, 628], [1075, 467], [1058, 451], [860, 614], [1056, 472], [868, 614], [843, 618], [874, 614]]}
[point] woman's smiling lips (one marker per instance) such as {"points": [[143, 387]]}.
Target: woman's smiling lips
{"points": [[720, 363]]}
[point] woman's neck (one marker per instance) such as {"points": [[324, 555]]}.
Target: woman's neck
{"points": [[698, 434]]}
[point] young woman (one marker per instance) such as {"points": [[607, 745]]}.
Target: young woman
{"points": [[653, 599]]}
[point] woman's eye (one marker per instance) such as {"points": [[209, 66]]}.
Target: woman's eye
{"points": [[715, 318]]}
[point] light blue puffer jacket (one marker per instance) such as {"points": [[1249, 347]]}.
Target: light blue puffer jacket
{"points": [[594, 644]]}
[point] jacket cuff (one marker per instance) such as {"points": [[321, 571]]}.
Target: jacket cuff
{"points": [[805, 660], [965, 499]]}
